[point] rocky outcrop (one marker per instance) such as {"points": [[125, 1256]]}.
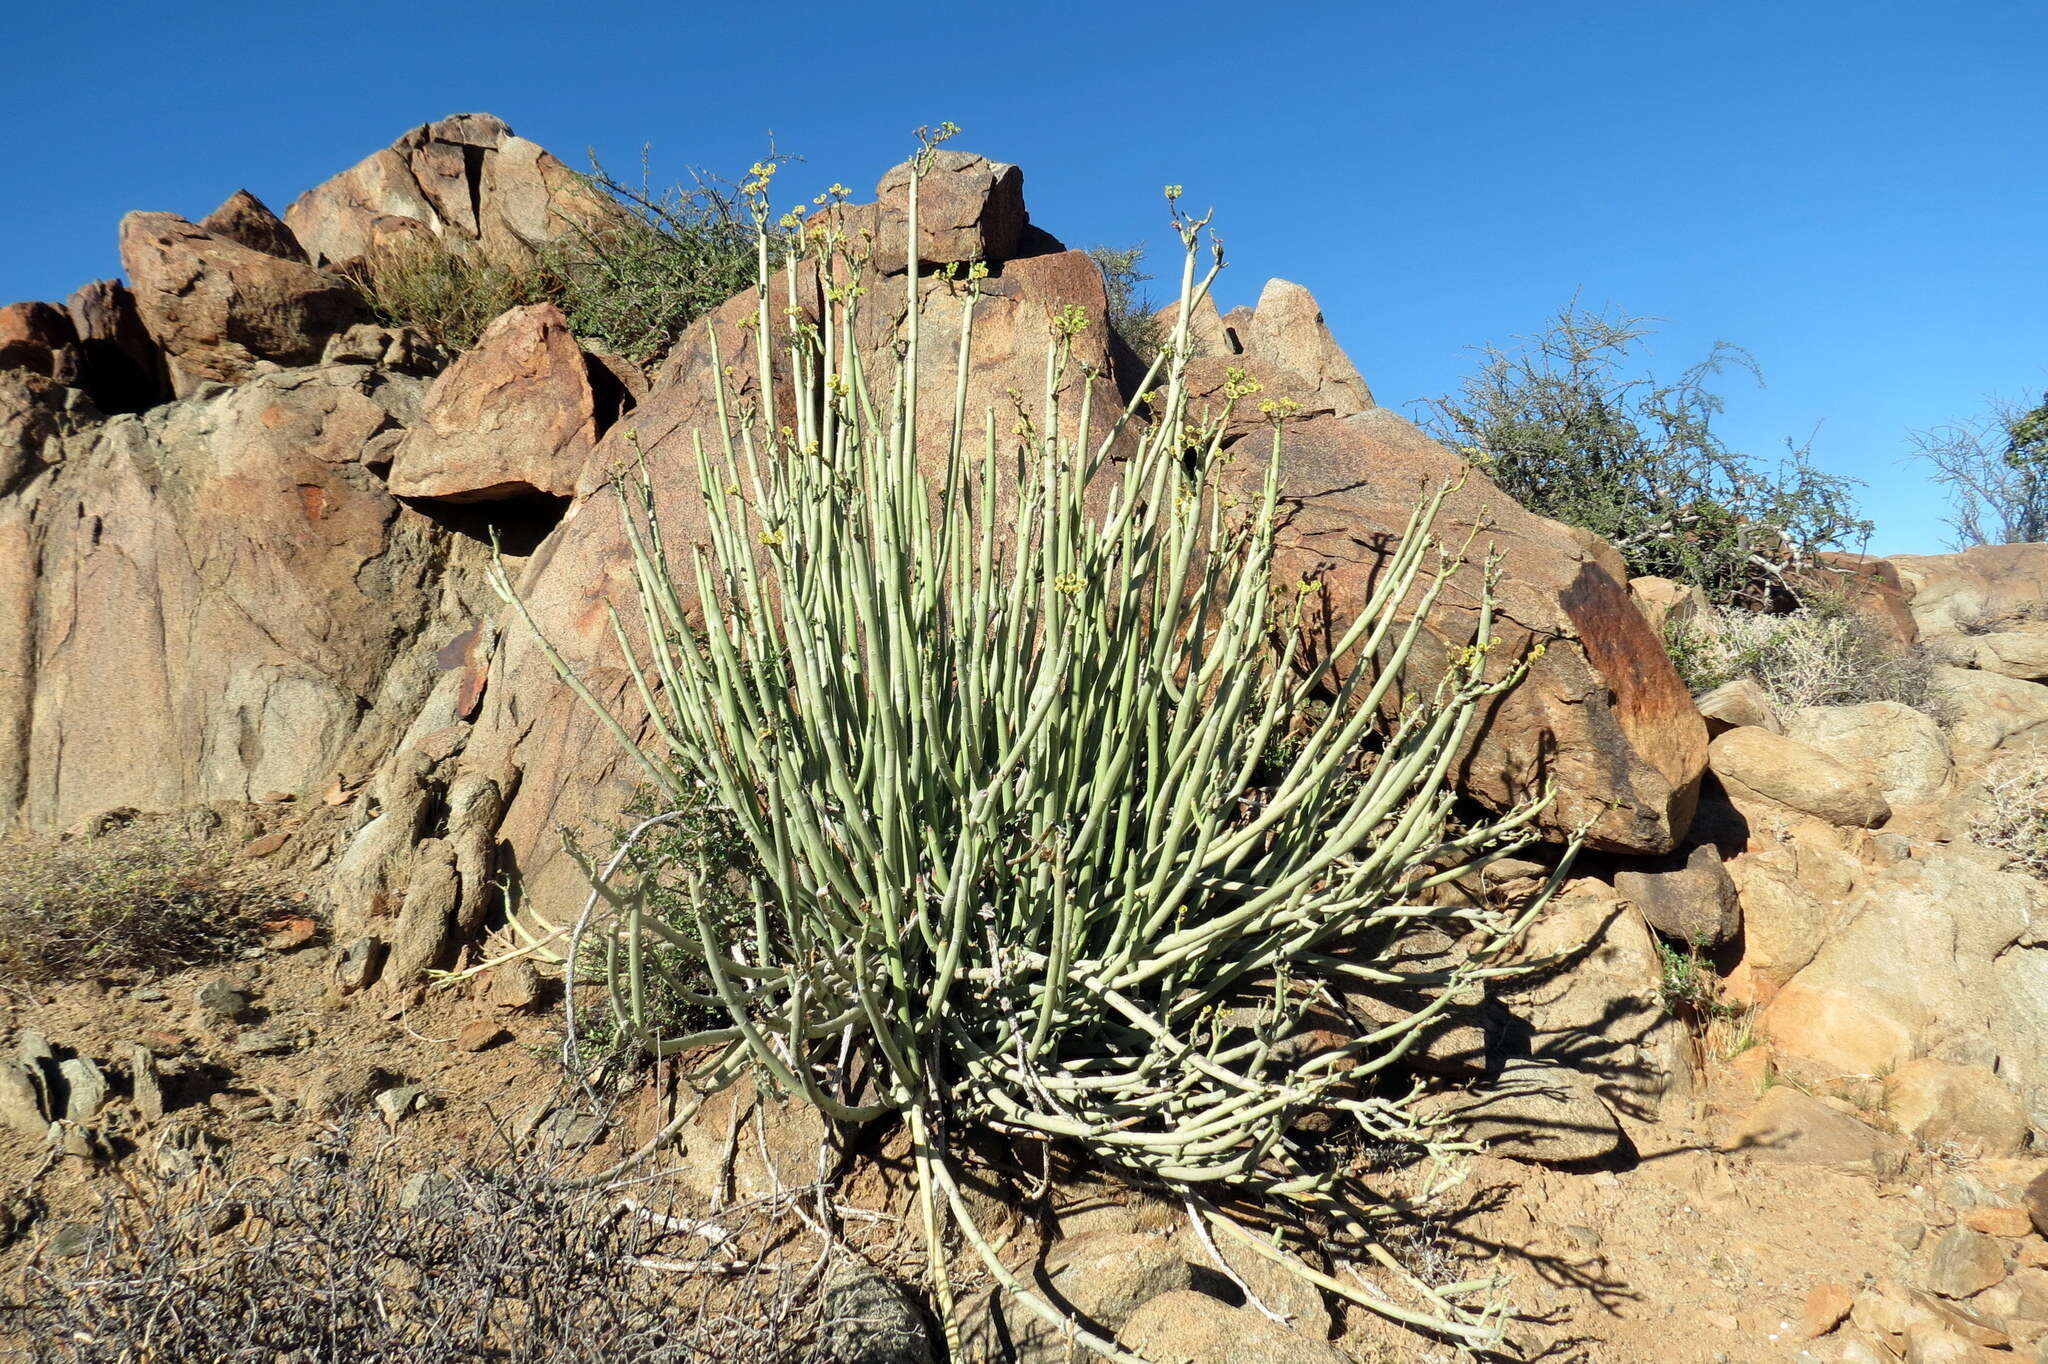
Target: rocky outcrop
{"points": [[465, 178], [218, 309], [1755, 764], [210, 601], [1939, 954], [969, 208]]}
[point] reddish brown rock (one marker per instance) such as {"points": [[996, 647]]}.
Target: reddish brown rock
{"points": [[39, 338], [245, 219], [1870, 587], [969, 208], [217, 308], [119, 366], [518, 414]]}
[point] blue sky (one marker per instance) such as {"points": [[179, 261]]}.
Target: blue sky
{"points": [[1853, 191]]}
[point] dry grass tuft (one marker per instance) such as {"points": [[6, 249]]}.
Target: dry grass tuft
{"points": [[150, 893]]}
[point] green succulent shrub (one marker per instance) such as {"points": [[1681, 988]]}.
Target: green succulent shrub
{"points": [[1000, 724], [1566, 429]]}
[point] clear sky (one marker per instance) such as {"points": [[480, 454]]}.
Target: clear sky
{"points": [[1857, 192]]}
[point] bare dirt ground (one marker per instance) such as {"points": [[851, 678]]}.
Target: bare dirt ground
{"points": [[1697, 1249]]}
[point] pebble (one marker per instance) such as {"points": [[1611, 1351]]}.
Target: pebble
{"points": [[479, 1034], [148, 994], [265, 1043], [224, 997]]}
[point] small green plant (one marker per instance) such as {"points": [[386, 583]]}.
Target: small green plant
{"points": [[1566, 429], [141, 895], [994, 716], [1689, 988], [1132, 314], [1823, 654], [635, 284]]}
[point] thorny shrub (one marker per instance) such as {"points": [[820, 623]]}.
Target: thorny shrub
{"points": [[1571, 429], [2013, 816], [142, 894], [353, 1254], [1823, 654]]}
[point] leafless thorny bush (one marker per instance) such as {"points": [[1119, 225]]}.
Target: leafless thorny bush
{"points": [[1820, 655], [2013, 816], [151, 892], [359, 1254]]}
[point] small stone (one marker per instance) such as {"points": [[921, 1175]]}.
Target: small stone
{"points": [[1826, 1305], [225, 997], [401, 1102], [1965, 1262], [2035, 1201], [163, 1043], [265, 1043], [515, 985], [288, 933], [148, 994], [869, 1319], [21, 1100], [144, 1083], [356, 968], [2011, 1223], [2034, 1255], [85, 1089], [424, 1187], [1909, 1235], [264, 846], [479, 1035]]}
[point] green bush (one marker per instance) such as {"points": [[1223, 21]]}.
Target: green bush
{"points": [[634, 287], [1132, 314], [1025, 861], [1823, 654], [1568, 431]]}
